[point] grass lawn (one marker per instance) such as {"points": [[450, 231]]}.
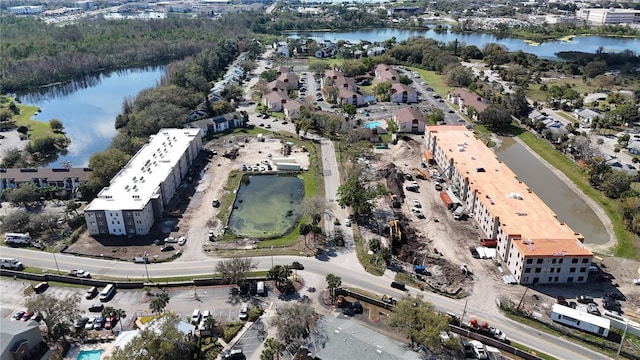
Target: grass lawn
{"points": [[435, 80], [627, 246], [37, 129], [330, 62], [534, 93]]}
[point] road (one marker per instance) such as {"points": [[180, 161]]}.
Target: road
{"points": [[344, 265]]}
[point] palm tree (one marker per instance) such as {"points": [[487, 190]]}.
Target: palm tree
{"points": [[119, 314], [209, 324], [159, 303]]}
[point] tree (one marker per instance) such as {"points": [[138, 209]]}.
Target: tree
{"points": [[269, 75], [494, 117], [209, 325], [280, 276], [594, 68], [163, 342], [232, 92], [5, 115], [272, 349], [234, 271], [15, 221], [616, 183], [294, 324], [349, 109], [159, 302], [418, 321], [23, 195], [333, 282], [315, 207], [56, 125], [355, 194], [623, 139], [57, 313], [405, 79], [458, 75], [71, 207], [105, 165], [383, 91]]}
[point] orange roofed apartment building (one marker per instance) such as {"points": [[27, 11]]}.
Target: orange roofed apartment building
{"points": [[536, 246]]}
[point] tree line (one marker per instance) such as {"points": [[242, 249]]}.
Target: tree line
{"points": [[31, 48]]}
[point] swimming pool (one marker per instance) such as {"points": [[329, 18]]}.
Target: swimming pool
{"points": [[374, 124], [89, 355]]}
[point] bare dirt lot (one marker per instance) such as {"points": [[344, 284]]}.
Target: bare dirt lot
{"points": [[190, 212]]}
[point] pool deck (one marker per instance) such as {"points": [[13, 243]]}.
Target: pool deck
{"points": [[76, 348]]}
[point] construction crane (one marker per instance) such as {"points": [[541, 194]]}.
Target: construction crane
{"points": [[443, 171]]}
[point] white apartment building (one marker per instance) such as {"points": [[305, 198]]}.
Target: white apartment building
{"points": [[137, 195], [25, 10], [609, 16], [535, 245]]}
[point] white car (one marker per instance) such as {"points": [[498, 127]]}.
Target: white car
{"points": [[90, 323], [182, 241], [244, 313], [636, 281], [347, 222], [416, 204]]}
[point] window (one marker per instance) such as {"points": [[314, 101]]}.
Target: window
{"points": [[550, 279], [572, 270], [585, 260], [527, 270], [552, 269], [529, 261], [580, 278], [539, 261], [553, 261], [583, 269], [556, 279], [538, 270], [574, 261], [560, 261], [570, 279]]}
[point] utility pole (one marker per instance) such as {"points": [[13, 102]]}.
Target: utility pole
{"points": [[522, 299], [146, 259], [56, 261], [626, 326], [464, 311]]}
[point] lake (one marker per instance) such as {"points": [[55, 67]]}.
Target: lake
{"points": [[88, 108], [545, 50]]}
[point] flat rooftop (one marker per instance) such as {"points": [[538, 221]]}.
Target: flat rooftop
{"points": [[522, 213], [138, 181]]}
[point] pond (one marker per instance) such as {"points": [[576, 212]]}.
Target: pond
{"points": [[267, 205]]}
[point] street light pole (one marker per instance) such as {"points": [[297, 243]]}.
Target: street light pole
{"points": [[464, 311], [146, 257], [626, 326], [56, 261]]}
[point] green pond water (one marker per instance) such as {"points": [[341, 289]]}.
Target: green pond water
{"points": [[267, 205]]}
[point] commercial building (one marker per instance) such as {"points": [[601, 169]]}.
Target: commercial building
{"points": [[136, 197], [25, 10], [536, 247], [610, 16]]}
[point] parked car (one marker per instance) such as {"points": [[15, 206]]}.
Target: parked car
{"points": [[474, 252], [110, 323], [244, 313], [616, 296], [357, 307], [41, 287], [636, 281], [182, 241], [347, 222], [140, 260], [296, 266], [585, 299], [416, 204], [167, 248], [80, 323], [27, 315], [97, 325], [18, 315], [96, 307], [90, 323], [80, 274], [592, 308], [91, 293]]}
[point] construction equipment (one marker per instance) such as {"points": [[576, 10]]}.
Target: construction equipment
{"points": [[389, 300], [440, 178], [421, 174], [394, 230]]}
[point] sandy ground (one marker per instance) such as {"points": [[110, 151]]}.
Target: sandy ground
{"points": [[11, 141]]}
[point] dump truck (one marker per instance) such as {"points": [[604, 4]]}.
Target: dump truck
{"points": [[486, 330]]}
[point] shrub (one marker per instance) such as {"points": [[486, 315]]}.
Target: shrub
{"points": [[255, 313], [231, 330]]}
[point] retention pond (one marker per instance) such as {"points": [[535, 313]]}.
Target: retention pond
{"points": [[266, 205]]}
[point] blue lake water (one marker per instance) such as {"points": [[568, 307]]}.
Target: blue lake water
{"points": [[545, 50], [88, 108]]}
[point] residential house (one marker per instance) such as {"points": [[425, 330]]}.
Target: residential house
{"points": [[21, 340], [290, 79], [292, 108], [326, 50], [375, 51], [409, 120], [282, 70], [586, 116], [470, 104], [401, 93], [218, 124], [385, 73], [67, 180], [282, 48], [346, 96], [346, 83], [275, 100], [332, 74], [277, 85]]}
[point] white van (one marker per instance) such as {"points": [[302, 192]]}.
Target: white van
{"points": [[195, 317], [260, 288], [107, 293]]}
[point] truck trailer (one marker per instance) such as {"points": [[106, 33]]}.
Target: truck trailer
{"points": [[288, 166]]}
